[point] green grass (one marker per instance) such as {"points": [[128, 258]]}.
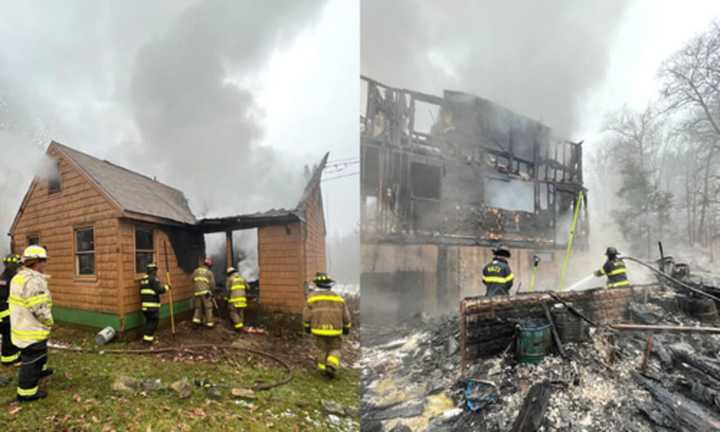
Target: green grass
{"points": [[81, 398]]}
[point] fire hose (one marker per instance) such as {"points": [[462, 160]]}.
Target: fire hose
{"points": [[257, 387]]}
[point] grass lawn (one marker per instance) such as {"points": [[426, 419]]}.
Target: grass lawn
{"points": [[81, 397]]}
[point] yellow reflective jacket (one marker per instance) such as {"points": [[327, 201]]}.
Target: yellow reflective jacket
{"points": [[326, 313], [30, 308], [236, 286], [203, 280]]}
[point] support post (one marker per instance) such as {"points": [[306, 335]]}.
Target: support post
{"points": [[229, 260]]}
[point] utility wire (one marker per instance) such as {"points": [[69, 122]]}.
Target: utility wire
{"points": [[340, 176]]}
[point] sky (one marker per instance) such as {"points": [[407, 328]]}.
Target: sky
{"points": [[228, 101], [563, 62]]}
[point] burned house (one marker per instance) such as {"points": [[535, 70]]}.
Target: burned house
{"points": [[102, 223], [445, 178]]}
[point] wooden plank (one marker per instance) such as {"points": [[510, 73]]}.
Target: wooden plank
{"points": [[665, 328], [532, 412]]}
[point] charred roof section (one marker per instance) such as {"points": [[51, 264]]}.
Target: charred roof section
{"points": [[460, 169]]}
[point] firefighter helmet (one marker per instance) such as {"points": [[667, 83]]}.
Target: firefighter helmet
{"points": [[12, 261], [611, 251], [151, 267], [502, 251], [34, 252], [230, 270], [322, 280], [208, 262]]}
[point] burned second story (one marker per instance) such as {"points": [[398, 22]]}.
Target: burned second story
{"points": [[460, 169]]}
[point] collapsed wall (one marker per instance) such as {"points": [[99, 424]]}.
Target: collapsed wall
{"points": [[487, 325]]}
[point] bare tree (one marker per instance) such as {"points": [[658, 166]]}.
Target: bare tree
{"points": [[691, 79]]}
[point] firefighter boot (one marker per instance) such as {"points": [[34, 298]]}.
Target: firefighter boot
{"points": [[38, 395]]}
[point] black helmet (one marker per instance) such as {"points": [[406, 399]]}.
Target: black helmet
{"points": [[611, 251], [151, 267], [502, 251], [12, 261], [322, 280]]}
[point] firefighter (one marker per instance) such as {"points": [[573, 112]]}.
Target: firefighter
{"points": [[203, 284], [31, 320], [237, 301], [326, 316], [9, 353], [497, 275], [150, 290], [614, 268]]}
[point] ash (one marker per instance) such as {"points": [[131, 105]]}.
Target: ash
{"points": [[412, 379]]}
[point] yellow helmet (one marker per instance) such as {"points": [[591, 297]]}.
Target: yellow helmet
{"points": [[34, 252]]}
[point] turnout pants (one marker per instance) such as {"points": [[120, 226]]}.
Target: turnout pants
{"points": [[237, 316], [33, 361], [328, 359], [152, 318], [9, 353], [203, 309]]}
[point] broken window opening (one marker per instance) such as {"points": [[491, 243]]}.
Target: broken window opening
{"points": [[511, 194], [425, 116], [55, 179], [425, 180]]}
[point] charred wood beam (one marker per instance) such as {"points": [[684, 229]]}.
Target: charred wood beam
{"points": [[532, 412], [676, 411]]}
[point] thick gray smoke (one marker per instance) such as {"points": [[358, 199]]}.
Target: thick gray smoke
{"points": [[198, 122], [540, 59], [164, 88]]}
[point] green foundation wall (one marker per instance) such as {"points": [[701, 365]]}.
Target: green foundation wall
{"points": [[102, 319]]}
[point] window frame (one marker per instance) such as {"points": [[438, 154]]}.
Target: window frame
{"points": [[77, 253], [55, 191], [136, 251]]}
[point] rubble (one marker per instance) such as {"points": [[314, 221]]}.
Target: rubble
{"points": [[408, 367]]}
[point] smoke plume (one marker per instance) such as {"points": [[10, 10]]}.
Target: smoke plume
{"points": [[164, 88], [535, 58]]}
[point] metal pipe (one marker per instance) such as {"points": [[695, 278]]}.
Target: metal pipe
{"points": [[665, 275], [665, 328]]}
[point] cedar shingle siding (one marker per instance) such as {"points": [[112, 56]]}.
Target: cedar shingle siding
{"points": [[107, 198]]}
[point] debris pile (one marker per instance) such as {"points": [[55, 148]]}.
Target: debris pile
{"points": [[412, 379]]}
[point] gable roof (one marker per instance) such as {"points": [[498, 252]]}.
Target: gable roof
{"points": [[131, 191], [273, 216]]}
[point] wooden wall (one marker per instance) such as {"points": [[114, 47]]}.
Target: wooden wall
{"points": [[182, 282], [314, 234], [53, 218], [280, 258], [463, 266]]}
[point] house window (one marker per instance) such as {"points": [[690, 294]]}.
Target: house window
{"points": [[85, 251], [55, 180], [425, 180], [144, 248]]}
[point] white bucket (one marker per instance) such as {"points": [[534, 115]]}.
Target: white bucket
{"points": [[105, 335]]}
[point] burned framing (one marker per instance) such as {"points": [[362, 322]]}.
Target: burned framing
{"points": [[458, 172]]}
